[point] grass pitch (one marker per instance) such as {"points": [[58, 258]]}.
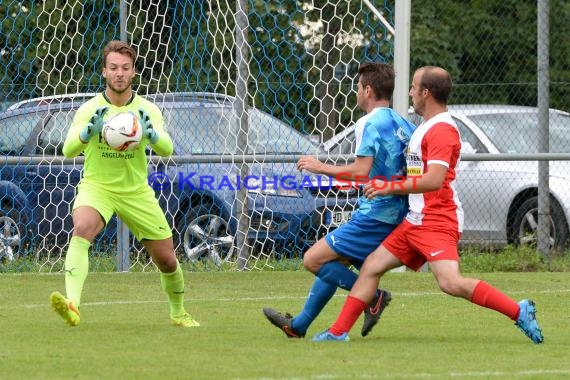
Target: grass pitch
{"points": [[125, 331]]}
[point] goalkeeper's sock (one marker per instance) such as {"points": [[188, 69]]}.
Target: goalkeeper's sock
{"points": [[337, 274], [320, 293], [76, 268], [348, 316], [487, 296], [173, 285]]}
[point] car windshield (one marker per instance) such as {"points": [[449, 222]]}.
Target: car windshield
{"points": [[214, 130], [518, 132], [196, 129], [16, 132], [34, 133], [346, 145]]}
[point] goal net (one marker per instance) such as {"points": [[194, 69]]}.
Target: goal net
{"points": [[246, 88]]}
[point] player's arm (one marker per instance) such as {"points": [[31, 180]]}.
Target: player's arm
{"points": [[355, 171], [431, 180], [73, 146], [445, 142], [153, 129], [85, 125]]}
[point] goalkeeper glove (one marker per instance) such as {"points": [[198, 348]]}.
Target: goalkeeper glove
{"points": [[94, 126], [148, 129]]}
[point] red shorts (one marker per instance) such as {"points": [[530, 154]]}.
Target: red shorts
{"points": [[414, 245]]}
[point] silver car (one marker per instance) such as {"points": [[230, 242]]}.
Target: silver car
{"points": [[500, 198]]}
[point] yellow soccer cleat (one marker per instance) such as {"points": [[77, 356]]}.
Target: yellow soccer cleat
{"points": [[65, 308], [185, 320]]}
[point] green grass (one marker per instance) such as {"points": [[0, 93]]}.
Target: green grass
{"points": [[125, 332]]}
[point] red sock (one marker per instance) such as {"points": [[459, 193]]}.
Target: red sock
{"points": [[348, 316], [487, 296]]}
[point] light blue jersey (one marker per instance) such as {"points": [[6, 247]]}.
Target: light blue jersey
{"points": [[384, 135]]}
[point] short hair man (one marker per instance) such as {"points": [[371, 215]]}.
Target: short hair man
{"points": [[381, 138], [117, 184], [433, 225]]}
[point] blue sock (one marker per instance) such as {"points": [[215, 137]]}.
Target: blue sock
{"points": [[337, 274], [320, 293]]}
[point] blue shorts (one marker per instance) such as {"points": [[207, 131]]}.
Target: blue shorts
{"points": [[358, 237]]}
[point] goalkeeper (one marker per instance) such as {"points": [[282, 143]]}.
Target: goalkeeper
{"points": [[381, 138], [117, 184]]}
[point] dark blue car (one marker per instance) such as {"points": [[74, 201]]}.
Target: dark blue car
{"points": [[199, 187]]}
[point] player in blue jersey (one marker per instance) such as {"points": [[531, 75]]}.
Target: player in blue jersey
{"points": [[381, 138]]}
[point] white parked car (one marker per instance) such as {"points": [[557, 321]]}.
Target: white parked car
{"points": [[500, 198]]}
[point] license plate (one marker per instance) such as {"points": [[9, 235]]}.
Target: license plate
{"points": [[339, 217]]}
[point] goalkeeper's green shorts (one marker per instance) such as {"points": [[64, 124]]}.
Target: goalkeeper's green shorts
{"points": [[139, 210]]}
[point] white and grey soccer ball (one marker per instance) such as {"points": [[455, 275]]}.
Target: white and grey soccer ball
{"points": [[123, 131]]}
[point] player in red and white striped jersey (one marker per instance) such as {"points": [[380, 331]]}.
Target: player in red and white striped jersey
{"points": [[435, 142], [433, 225]]}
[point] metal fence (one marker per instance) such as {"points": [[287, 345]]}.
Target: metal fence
{"points": [[243, 83]]}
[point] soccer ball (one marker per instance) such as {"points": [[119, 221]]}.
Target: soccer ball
{"points": [[122, 131]]}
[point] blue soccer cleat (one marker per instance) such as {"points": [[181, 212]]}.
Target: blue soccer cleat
{"points": [[327, 335], [527, 321]]}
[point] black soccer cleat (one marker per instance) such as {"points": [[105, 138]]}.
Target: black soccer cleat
{"points": [[282, 322], [374, 310]]}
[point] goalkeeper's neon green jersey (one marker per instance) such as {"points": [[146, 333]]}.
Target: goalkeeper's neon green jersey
{"points": [[105, 167]]}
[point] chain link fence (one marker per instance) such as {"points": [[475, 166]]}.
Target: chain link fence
{"points": [[247, 87]]}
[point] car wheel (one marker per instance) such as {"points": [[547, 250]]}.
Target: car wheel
{"points": [[205, 235], [525, 224], [11, 234]]}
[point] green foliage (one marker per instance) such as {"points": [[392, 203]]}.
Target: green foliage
{"points": [[18, 55], [512, 259], [305, 79], [84, 28], [473, 259], [490, 48], [507, 260], [432, 38]]}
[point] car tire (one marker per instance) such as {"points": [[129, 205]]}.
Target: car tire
{"points": [[525, 224], [12, 234], [204, 235]]}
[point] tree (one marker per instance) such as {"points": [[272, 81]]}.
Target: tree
{"points": [[17, 56], [490, 48], [304, 53]]}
